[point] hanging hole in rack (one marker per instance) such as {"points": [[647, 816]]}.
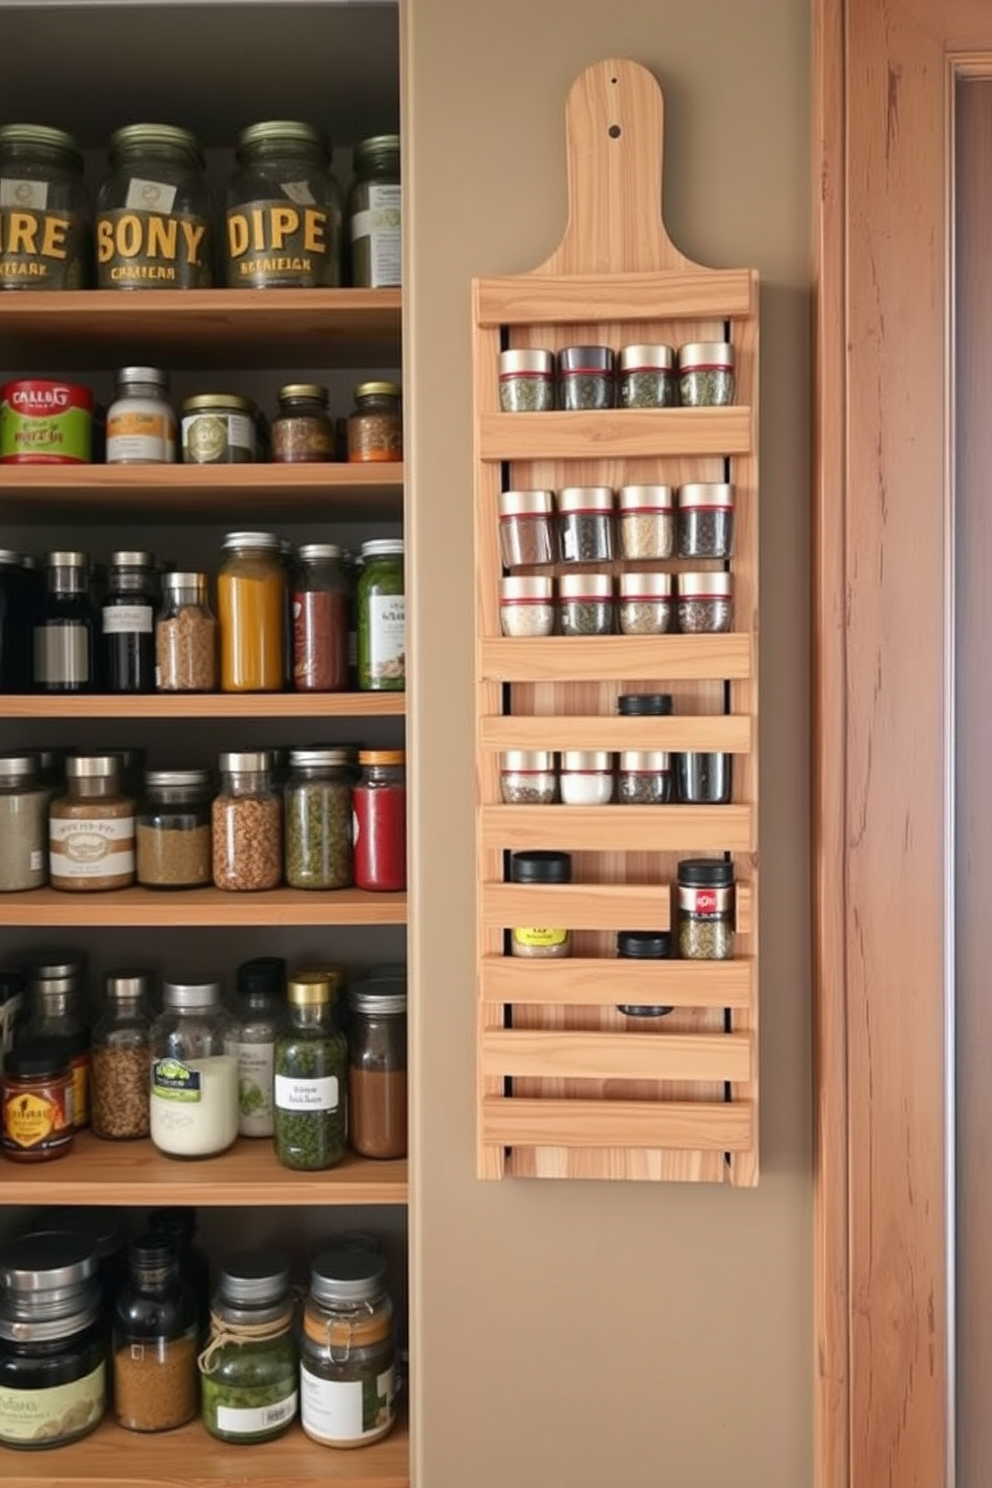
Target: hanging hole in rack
{"points": [[615, 131]]}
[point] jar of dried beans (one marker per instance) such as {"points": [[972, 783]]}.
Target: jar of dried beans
{"points": [[706, 909], [527, 777], [121, 1059], [246, 821], [706, 520], [318, 820], [585, 524], [526, 606], [646, 521], [186, 636], [646, 375], [704, 603], [706, 374], [375, 428], [645, 603], [585, 604], [526, 381], [540, 867], [173, 831], [301, 432], [321, 610], [525, 528]]}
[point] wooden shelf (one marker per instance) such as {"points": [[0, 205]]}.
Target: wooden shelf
{"points": [[601, 981], [719, 731], [616, 828], [205, 328], [136, 1173], [199, 493], [676, 658], [202, 907], [690, 294], [206, 705], [191, 1458], [614, 434]]}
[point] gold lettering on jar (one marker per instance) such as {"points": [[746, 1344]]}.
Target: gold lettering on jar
{"points": [[42, 245], [275, 242], [135, 247]]}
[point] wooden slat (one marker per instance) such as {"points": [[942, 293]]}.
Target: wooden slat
{"points": [[732, 735], [206, 705], [681, 1125], [206, 907], [612, 906], [599, 981], [558, 1054], [676, 658], [688, 829], [692, 294], [615, 434]]}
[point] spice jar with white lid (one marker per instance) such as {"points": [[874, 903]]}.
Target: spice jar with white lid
{"points": [[525, 528], [645, 603], [646, 521], [91, 835], [540, 866], [23, 824], [527, 777], [704, 603], [526, 606], [586, 777], [646, 375], [141, 424], [526, 381], [644, 777], [585, 524], [586, 378], [585, 604], [706, 520], [706, 909], [194, 1072], [706, 374]]}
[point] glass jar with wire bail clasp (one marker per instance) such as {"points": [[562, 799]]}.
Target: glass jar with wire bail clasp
{"points": [[284, 210], [249, 1371], [348, 1350], [45, 237], [154, 221]]}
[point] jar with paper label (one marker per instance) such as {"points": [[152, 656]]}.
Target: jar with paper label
{"points": [[284, 210], [154, 221], [44, 210], [260, 1017], [348, 1350], [218, 429], [249, 1370], [91, 828], [36, 1100], [381, 604], [128, 624], [375, 214], [706, 909], [56, 1010], [194, 1072], [540, 867], [23, 824], [141, 425], [311, 1074]]}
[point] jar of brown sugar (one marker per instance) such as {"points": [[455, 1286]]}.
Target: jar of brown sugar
{"points": [[91, 828], [301, 432], [186, 636], [377, 1067], [375, 428]]}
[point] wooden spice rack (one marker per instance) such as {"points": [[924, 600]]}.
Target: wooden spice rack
{"points": [[568, 1086]]}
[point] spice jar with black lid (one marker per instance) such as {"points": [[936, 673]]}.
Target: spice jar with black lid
{"points": [[284, 210], [127, 634], [586, 378], [643, 945], [173, 830], [644, 704], [154, 221], [41, 175], [706, 909], [301, 432], [249, 1370], [154, 1341], [121, 1059], [375, 207], [540, 866], [177, 1224], [348, 1350]]}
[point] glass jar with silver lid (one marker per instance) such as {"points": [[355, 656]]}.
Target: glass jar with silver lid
{"points": [[585, 604], [284, 210], [646, 376], [43, 191], [704, 602], [23, 824], [173, 830], [194, 1072], [219, 429], [706, 374], [526, 380], [706, 520], [644, 777], [318, 815], [141, 424], [585, 524], [645, 603], [154, 221], [586, 777], [527, 777], [646, 522]]}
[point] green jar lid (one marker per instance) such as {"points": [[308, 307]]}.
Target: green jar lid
{"points": [[376, 147], [292, 132], [41, 137], [170, 138]]}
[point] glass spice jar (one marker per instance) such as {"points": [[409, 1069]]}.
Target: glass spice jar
{"points": [[251, 610], [526, 381], [194, 1072], [704, 603], [249, 1370], [585, 524], [317, 808], [186, 657], [585, 604], [173, 830], [526, 606], [525, 528], [91, 828], [377, 1118], [586, 777], [301, 432], [122, 1058], [284, 210], [379, 800], [706, 909], [644, 777], [706, 521], [380, 602], [218, 429], [154, 219], [646, 377], [646, 522], [644, 704], [375, 206], [586, 378], [56, 1009], [23, 824], [65, 629], [703, 777], [11, 1006], [321, 611], [540, 866], [128, 623], [261, 1017], [311, 1072], [246, 824], [37, 1122], [176, 1223], [706, 374], [644, 945], [141, 424], [348, 1351], [375, 427], [645, 603], [154, 1345], [46, 244], [528, 778]]}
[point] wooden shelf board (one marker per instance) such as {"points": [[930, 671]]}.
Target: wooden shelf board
{"points": [[207, 705], [578, 299], [191, 1458], [731, 733], [97, 1172], [719, 1126], [616, 828], [603, 906], [204, 907], [205, 328], [598, 982], [675, 658], [615, 434], [559, 1054]]}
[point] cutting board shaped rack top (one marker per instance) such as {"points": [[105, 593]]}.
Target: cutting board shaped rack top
{"points": [[568, 1086]]}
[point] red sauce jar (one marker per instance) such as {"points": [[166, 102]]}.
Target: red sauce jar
{"points": [[379, 801], [37, 1100]]}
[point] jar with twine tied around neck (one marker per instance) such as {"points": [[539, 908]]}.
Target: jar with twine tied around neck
{"points": [[249, 1368]]}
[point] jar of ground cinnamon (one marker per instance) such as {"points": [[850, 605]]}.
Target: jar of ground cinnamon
{"points": [[377, 1067]]}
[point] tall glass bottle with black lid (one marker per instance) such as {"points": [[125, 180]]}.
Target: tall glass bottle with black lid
{"points": [[64, 635], [154, 1341], [154, 222], [47, 241], [284, 210], [17, 616], [127, 633]]}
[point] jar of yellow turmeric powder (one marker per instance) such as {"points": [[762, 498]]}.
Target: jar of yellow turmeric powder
{"points": [[251, 612]]}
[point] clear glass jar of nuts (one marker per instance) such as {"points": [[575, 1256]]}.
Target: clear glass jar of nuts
{"points": [[121, 1058], [247, 824]]}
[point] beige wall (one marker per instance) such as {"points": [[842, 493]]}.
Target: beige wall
{"points": [[581, 1334]]}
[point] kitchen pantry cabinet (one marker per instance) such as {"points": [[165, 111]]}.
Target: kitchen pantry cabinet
{"points": [[339, 67]]}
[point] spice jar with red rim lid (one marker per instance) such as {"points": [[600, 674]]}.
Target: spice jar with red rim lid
{"points": [[526, 380], [706, 374]]}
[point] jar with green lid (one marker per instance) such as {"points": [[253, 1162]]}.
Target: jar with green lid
{"points": [[249, 1371], [348, 1350], [284, 210], [311, 1072], [375, 214], [381, 604], [154, 217], [218, 429], [302, 432], [375, 427], [318, 819], [45, 215]]}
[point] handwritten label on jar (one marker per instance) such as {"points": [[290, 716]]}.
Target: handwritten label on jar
{"points": [[173, 1080], [128, 620], [142, 247], [275, 243], [38, 1418], [307, 1095], [89, 848]]}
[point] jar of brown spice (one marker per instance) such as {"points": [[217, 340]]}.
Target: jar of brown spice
{"points": [[377, 1067], [247, 824], [302, 432], [375, 428], [91, 828]]}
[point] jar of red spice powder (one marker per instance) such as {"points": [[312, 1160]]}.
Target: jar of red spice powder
{"points": [[380, 820], [321, 604]]}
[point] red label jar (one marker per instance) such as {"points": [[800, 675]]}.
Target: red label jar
{"points": [[43, 422]]}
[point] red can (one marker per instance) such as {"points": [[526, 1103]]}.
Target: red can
{"points": [[43, 422], [379, 801]]}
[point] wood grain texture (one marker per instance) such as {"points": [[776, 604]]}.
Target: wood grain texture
{"points": [[615, 828], [655, 1055], [207, 705], [618, 659], [137, 906], [601, 980], [696, 294], [718, 731], [615, 1125], [616, 434]]}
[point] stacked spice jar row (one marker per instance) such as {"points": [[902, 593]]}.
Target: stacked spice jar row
{"points": [[314, 619], [595, 524], [285, 221], [308, 1062], [85, 1332], [582, 378], [339, 821], [47, 422]]}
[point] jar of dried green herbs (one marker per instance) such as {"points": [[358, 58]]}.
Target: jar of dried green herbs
{"points": [[706, 909], [585, 604], [644, 777], [249, 1368], [318, 819], [375, 207], [526, 380], [586, 378], [645, 603], [706, 374], [646, 375], [585, 524], [311, 1072]]}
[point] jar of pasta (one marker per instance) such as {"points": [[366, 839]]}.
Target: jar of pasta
{"points": [[251, 606]]}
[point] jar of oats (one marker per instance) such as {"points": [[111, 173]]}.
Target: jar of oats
{"points": [[247, 824]]}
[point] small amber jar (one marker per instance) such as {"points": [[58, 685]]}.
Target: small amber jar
{"points": [[37, 1100], [375, 428]]}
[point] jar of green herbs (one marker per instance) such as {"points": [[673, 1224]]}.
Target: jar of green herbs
{"points": [[311, 1071], [318, 819], [249, 1368], [381, 607]]}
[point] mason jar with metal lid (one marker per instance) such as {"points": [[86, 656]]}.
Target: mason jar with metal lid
{"points": [[321, 619], [706, 520], [23, 824], [218, 429], [527, 777], [302, 432], [141, 423], [154, 221], [375, 426], [375, 214], [706, 374], [45, 213], [526, 380], [644, 777], [246, 824], [173, 830], [377, 1095], [319, 819], [249, 1370], [185, 636], [194, 1072], [646, 375], [348, 1351], [284, 210], [251, 608]]}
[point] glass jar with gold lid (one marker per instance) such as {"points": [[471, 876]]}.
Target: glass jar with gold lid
{"points": [[154, 221], [284, 210], [375, 428], [45, 213], [218, 429], [302, 432]]}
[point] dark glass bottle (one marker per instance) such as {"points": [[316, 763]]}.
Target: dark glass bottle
{"points": [[64, 651], [155, 1345], [177, 1224], [128, 624], [16, 624]]}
